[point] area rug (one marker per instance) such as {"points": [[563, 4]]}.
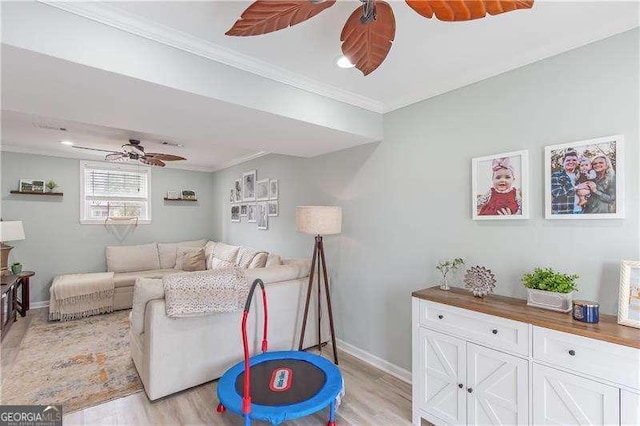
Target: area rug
{"points": [[77, 363]]}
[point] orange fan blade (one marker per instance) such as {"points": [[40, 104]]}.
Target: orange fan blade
{"points": [[151, 161], [367, 45], [264, 16], [163, 157], [465, 10]]}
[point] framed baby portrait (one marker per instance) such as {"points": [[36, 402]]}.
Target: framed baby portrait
{"points": [[629, 295], [585, 179], [500, 186]]}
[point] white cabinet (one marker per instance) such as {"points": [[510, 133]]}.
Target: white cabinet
{"points": [[480, 368], [561, 398], [463, 383]]}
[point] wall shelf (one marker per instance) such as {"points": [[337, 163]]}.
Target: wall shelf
{"points": [[178, 199], [54, 194]]}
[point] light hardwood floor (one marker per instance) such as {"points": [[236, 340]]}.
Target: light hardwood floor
{"points": [[373, 397]]}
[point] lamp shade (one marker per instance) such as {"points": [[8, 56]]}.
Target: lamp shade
{"points": [[11, 231], [319, 220]]}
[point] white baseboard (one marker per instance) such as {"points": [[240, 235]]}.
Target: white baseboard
{"points": [[375, 361], [36, 305]]}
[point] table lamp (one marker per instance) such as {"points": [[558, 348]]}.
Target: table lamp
{"points": [[319, 221], [9, 231]]}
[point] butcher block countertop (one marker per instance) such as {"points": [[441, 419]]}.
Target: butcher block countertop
{"points": [[516, 309]]}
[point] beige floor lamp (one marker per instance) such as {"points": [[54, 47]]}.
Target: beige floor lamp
{"points": [[319, 221]]}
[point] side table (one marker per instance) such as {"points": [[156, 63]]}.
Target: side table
{"points": [[7, 304], [23, 282]]}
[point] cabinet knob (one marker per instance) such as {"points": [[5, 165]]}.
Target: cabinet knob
{"points": [[440, 316], [470, 390], [494, 331], [572, 352], [460, 385]]}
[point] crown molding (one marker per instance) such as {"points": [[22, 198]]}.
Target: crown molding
{"points": [[139, 26], [78, 156]]}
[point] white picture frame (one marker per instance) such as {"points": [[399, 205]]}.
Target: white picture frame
{"points": [[565, 180], [249, 186], [232, 195], [252, 213], [262, 190], [32, 185], [237, 188], [272, 208], [235, 213], [273, 189], [174, 194], [243, 210], [629, 294], [262, 216], [500, 184]]}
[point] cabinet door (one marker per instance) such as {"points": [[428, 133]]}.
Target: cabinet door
{"points": [[497, 387], [562, 398], [442, 365], [629, 408]]}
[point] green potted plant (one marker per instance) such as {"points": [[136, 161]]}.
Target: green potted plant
{"points": [[16, 268], [549, 289], [51, 186], [445, 267]]}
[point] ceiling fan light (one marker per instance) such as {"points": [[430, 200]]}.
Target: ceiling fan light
{"points": [[68, 143], [344, 62]]}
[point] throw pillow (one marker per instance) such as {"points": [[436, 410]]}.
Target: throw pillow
{"points": [[190, 259], [215, 263], [259, 260], [273, 260]]}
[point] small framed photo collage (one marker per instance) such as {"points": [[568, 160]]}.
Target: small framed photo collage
{"points": [[254, 200]]}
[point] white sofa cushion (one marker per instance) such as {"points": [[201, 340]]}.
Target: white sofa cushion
{"points": [[168, 251], [245, 256], [128, 279], [132, 258], [208, 249], [215, 263], [226, 252]]}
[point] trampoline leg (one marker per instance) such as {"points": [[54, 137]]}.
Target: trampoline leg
{"points": [[332, 414], [247, 420], [221, 408]]}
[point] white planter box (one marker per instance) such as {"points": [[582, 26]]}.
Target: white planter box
{"points": [[553, 301]]}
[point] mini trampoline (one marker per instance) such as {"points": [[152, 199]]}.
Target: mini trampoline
{"points": [[278, 386]]}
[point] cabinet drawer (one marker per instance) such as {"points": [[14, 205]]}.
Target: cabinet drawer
{"points": [[617, 363], [488, 330]]}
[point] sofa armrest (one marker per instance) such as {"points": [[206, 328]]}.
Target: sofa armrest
{"points": [[274, 274], [144, 290]]}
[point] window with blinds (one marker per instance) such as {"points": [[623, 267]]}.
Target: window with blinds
{"points": [[117, 190]]}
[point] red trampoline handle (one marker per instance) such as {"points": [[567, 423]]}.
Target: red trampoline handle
{"points": [[246, 398]]}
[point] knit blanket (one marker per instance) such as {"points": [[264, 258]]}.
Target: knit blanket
{"points": [[205, 292], [80, 295]]}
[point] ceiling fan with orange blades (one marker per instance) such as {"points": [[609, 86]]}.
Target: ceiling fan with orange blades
{"points": [[134, 151], [368, 33]]}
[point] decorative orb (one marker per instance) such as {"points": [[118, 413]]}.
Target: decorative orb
{"points": [[479, 280]]}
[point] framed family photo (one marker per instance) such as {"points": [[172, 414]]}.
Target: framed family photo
{"points": [[262, 216], [243, 210], [251, 213], [500, 186], [585, 179], [235, 213], [249, 186], [273, 207], [32, 185], [237, 191], [273, 189], [629, 295]]}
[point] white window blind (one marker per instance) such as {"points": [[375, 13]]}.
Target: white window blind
{"points": [[114, 191]]}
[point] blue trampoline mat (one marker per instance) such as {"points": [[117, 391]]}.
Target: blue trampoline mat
{"points": [[232, 400]]}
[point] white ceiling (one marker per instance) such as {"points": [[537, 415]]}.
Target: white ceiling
{"points": [[428, 57], [103, 107]]}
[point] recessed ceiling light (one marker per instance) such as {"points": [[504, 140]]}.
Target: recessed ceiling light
{"points": [[68, 143], [343, 62]]}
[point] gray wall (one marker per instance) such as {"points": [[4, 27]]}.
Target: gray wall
{"points": [[55, 241], [407, 202]]}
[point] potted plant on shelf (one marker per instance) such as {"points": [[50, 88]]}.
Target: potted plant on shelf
{"points": [[16, 268], [447, 266], [51, 186], [549, 289]]}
